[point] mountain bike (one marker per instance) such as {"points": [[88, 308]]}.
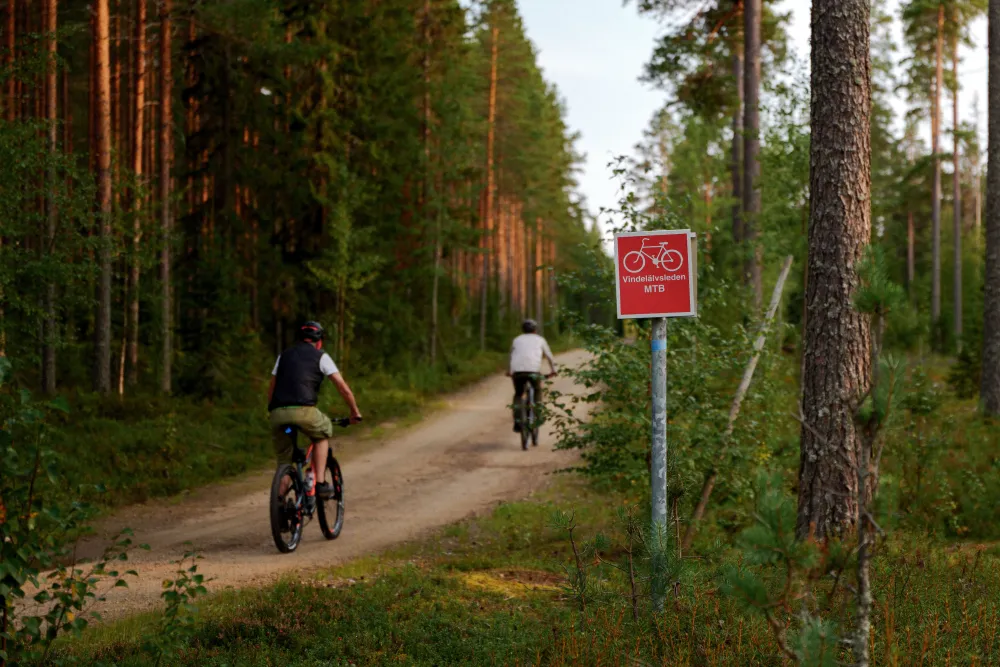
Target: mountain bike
{"points": [[291, 507], [528, 415], [668, 259]]}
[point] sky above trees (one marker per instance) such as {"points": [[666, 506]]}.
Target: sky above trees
{"points": [[595, 55]]}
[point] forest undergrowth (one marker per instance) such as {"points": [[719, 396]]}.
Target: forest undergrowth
{"points": [[566, 577]]}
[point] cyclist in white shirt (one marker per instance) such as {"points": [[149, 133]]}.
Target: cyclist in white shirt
{"points": [[526, 355]]}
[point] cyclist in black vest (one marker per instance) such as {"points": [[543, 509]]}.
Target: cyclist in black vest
{"points": [[294, 392]]}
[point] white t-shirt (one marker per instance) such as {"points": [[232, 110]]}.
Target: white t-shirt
{"points": [[527, 352], [326, 365]]}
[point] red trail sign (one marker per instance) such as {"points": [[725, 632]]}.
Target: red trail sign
{"points": [[656, 274]]}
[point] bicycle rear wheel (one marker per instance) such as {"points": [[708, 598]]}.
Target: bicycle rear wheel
{"points": [[534, 427], [331, 510], [525, 422], [286, 512]]}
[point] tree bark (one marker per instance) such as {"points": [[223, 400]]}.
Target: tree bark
{"points": [[911, 260], [166, 220], [490, 184], [9, 113], [836, 358], [138, 139], [990, 389], [956, 186], [737, 151], [52, 214], [936, 187], [436, 278], [751, 149], [10, 30], [102, 356]]}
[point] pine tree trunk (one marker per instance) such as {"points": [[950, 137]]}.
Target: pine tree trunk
{"points": [[52, 214], [488, 212], [836, 358], [737, 151], [166, 220], [911, 262], [9, 106], [936, 188], [956, 185], [116, 84], [10, 30], [751, 150], [138, 139], [102, 356], [990, 389], [436, 278], [539, 262]]}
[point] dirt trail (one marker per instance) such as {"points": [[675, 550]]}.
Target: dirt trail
{"points": [[458, 461]]}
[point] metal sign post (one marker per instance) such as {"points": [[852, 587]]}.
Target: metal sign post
{"points": [[656, 278], [658, 469]]}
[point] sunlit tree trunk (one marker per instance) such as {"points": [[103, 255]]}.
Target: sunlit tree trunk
{"points": [[490, 185], [102, 356], [138, 139]]}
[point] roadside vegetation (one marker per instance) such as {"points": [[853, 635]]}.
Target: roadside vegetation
{"points": [[833, 478]]}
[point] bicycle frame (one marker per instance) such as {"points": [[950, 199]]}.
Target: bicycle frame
{"points": [[662, 247], [303, 462]]}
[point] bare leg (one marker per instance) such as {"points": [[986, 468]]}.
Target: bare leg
{"points": [[320, 450]]}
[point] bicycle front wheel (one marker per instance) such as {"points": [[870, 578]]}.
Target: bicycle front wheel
{"points": [[331, 510], [286, 509]]}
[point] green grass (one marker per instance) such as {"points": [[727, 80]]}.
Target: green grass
{"points": [[131, 449], [494, 591]]}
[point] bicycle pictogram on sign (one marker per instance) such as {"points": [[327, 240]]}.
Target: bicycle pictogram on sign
{"points": [[668, 259], [656, 274]]}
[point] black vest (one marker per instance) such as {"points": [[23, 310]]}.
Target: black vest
{"points": [[299, 377]]}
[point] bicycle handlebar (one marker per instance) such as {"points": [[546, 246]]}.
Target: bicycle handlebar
{"points": [[343, 422]]}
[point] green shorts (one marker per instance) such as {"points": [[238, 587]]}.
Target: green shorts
{"points": [[310, 421]]}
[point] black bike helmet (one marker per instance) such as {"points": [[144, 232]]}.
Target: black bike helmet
{"points": [[311, 332], [529, 326]]}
